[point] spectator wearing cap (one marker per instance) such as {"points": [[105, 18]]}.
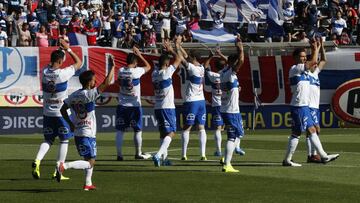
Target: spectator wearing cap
{"points": [[118, 30], [91, 34], [3, 38], [42, 37], [54, 30], [24, 35]]}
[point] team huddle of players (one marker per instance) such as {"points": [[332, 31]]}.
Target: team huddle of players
{"points": [[225, 106]]}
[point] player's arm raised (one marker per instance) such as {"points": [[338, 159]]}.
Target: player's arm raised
{"points": [[109, 77], [220, 54], [314, 55], [240, 49], [77, 60], [65, 115], [181, 51], [138, 54], [323, 58], [178, 56], [207, 62]]}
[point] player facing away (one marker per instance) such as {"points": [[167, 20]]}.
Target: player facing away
{"points": [[230, 110], [194, 101], [313, 157], [212, 79], [54, 85], [164, 101], [129, 111], [300, 112], [82, 105]]}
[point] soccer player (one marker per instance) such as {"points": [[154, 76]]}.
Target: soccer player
{"points": [[300, 112], [164, 100], [314, 98], [129, 111], [82, 105], [54, 85], [194, 102], [212, 79], [230, 110]]}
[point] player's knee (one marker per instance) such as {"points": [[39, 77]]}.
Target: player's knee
{"points": [[201, 127], [311, 130], [317, 129], [187, 127]]}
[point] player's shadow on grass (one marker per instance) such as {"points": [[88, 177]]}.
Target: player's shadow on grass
{"points": [[151, 170], [35, 190], [24, 179]]}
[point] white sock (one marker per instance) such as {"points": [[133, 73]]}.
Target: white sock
{"points": [[63, 148], [165, 154], [185, 136], [292, 144], [80, 164], [138, 142], [229, 150], [237, 143], [308, 146], [317, 145], [217, 138], [202, 138], [164, 146], [44, 148], [88, 175], [313, 150], [119, 142]]}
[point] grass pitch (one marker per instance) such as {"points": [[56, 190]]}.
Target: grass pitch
{"points": [[261, 177]]}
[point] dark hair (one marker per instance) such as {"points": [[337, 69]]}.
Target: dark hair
{"points": [[131, 58], [195, 55], [219, 64], [297, 51], [232, 59], [57, 55], [163, 58], [85, 77]]}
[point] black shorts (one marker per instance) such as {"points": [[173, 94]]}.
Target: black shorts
{"points": [[288, 28]]}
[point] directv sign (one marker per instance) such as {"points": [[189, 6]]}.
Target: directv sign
{"points": [[30, 120]]}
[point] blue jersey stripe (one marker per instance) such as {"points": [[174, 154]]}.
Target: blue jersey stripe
{"points": [[296, 79], [195, 79], [162, 84], [54, 88]]}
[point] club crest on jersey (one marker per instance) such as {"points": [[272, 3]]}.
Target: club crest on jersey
{"points": [[346, 101], [120, 121], [63, 130], [48, 131]]}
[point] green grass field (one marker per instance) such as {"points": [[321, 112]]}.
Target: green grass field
{"points": [[261, 177]]}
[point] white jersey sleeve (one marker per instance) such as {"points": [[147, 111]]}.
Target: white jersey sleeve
{"points": [[66, 73], [314, 91]]}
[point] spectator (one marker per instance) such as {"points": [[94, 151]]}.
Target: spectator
{"points": [[96, 22], [338, 24], [91, 34], [54, 29], [24, 35], [106, 18], [14, 22], [13, 5], [42, 37], [252, 29], [76, 24], [3, 38], [218, 17], [64, 13], [352, 19], [63, 35], [118, 30], [84, 14], [334, 39], [180, 22], [289, 16], [344, 38], [166, 16]]}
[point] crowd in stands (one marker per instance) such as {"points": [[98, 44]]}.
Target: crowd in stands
{"points": [[123, 23]]}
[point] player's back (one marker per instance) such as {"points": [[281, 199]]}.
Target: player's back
{"points": [[129, 79], [230, 91], [163, 88], [82, 105], [194, 87], [314, 91], [299, 82], [54, 87], [213, 79]]}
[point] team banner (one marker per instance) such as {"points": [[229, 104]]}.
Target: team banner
{"points": [[233, 15], [20, 75]]}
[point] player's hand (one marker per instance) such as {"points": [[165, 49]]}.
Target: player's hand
{"points": [[218, 51], [178, 40], [136, 51], [64, 45], [167, 46], [111, 61], [313, 44]]}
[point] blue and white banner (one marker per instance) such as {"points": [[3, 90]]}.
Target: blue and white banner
{"points": [[77, 39], [213, 36], [247, 7], [274, 19]]}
